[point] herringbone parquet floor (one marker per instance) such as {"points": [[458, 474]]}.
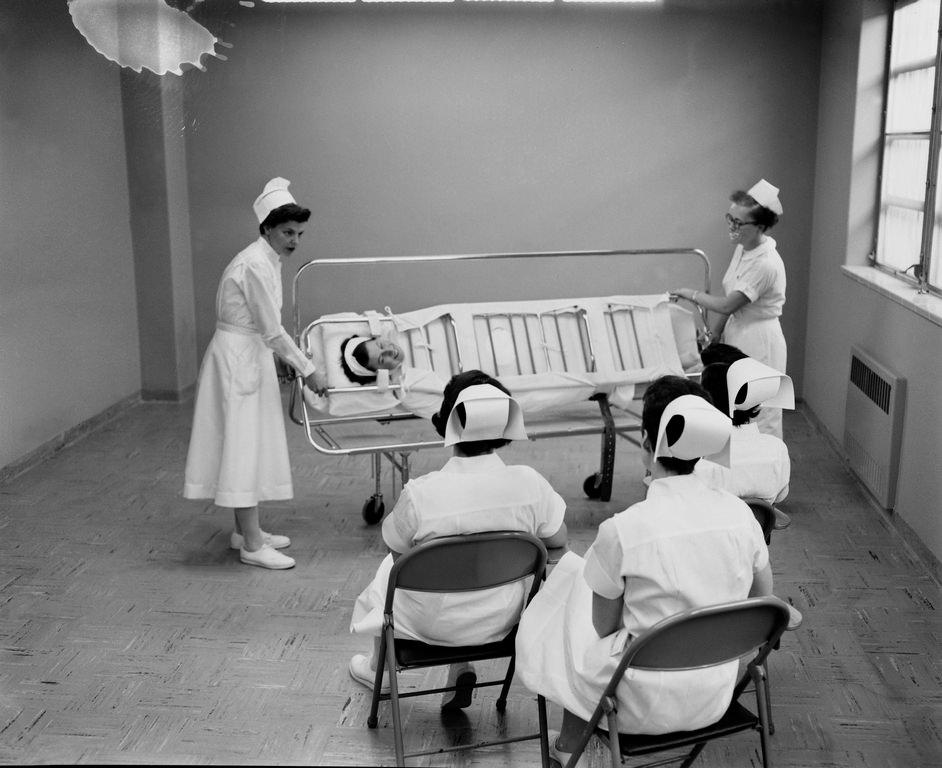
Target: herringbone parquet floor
{"points": [[131, 634]]}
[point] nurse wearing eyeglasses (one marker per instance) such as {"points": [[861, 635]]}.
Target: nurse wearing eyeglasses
{"points": [[754, 286]]}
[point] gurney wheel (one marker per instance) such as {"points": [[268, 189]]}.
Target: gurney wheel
{"points": [[592, 486], [373, 510]]}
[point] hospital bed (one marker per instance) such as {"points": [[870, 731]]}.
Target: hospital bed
{"points": [[576, 364]]}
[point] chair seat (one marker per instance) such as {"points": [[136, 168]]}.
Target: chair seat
{"points": [[413, 653], [736, 719]]}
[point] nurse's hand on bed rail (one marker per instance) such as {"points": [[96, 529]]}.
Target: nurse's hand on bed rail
{"points": [[683, 293], [317, 382]]}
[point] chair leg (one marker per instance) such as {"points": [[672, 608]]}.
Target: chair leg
{"points": [[762, 702], [372, 719], [768, 698], [505, 688], [544, 731], [390, 663]]}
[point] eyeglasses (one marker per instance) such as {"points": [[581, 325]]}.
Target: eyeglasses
{"points": [[735, 224]]}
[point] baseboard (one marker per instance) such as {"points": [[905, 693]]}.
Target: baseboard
{"points": [[168, 395], [56, 444], [916, 545]]}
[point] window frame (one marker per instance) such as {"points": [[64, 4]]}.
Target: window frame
{"points": [[931, 217]]}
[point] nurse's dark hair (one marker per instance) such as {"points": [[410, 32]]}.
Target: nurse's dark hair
{"points": [[718, 352], [659, 394], [453, 388], [361, 356], [713, 379], [283, 213], [764, 217]]}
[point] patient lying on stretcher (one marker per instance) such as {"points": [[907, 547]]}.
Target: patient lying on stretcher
{"points": [[552, 352]]}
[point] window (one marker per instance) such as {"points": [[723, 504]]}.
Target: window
{"points": [[909, 228]]}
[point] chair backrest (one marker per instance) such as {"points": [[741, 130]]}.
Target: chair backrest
{"points": [[708, 636], [469, 562], [765, 514]]}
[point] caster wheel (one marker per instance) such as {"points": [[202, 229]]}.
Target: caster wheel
{"points": [[591, 486], [371, 722], [373, 510]]}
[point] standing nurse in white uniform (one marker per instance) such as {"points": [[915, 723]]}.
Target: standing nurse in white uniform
{"points": [[755, 288], [238, 452]]}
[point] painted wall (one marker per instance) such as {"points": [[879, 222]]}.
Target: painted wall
{"points": [[407, 129], [479, 127], [68, 327], [841, 311]]}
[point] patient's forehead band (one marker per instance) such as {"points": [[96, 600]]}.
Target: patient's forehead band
{"points": [[351, 361]]}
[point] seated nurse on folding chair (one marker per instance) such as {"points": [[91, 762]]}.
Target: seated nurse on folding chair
{"points": [[759, 465], [685, 546], [474, 492]]}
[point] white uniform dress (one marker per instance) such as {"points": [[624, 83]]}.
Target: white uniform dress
{"points": [[685, 546], [755, 329], [238, 451], [759, 466], [470, 494]]}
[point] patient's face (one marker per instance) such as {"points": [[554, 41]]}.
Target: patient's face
{"points": [[383, 354]]}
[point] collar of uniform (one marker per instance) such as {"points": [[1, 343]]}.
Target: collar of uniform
{"points": [[747, 430], [270, 252], [675, 484], [762, 248], [486, 462]]}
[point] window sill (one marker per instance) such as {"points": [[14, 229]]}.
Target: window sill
{"points": [[923, 304]]}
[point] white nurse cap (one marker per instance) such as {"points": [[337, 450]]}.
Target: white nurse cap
{"points": [[766, 195], [274, 196], [751, 383], [490, 414], [692, 428]]}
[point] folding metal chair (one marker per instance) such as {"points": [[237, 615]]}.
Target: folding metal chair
{"points": [[694, 639], [457, 564]]}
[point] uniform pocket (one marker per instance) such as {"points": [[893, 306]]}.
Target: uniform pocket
{"points": [[247, 374]]}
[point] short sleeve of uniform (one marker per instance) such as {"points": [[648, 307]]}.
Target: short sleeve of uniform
{"points": [[760, 557], [552, 510], [401, 525], [756, 278], [603, 562]]}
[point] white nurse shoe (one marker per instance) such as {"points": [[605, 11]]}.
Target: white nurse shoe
{"points": [[266, 557]]}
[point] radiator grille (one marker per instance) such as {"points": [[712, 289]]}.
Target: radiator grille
{"points": [[871, 383], [873, 423]]}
